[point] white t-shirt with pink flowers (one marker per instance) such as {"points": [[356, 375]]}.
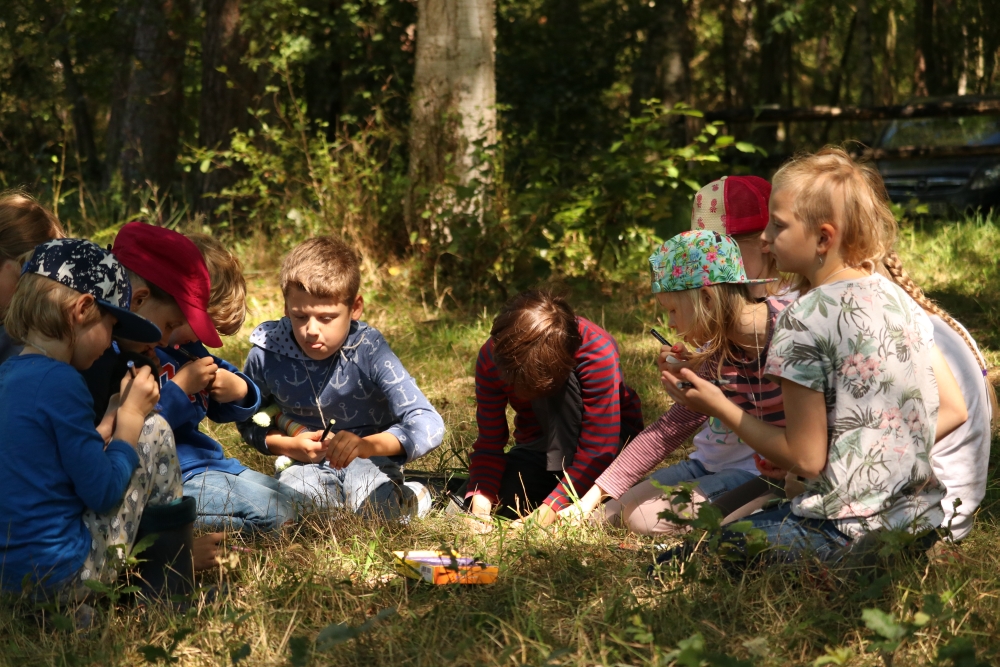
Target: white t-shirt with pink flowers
{"points": [[867, 347]]}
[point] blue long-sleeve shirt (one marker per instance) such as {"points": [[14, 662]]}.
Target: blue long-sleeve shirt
{"points": [[364, 386], [55, 466], [196, 451]]}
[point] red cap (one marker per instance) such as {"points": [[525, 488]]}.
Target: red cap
{"points": [[746, 204], [174, 264]]}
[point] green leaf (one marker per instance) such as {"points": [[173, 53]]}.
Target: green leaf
{"points": [[724, 140], [745, 147], [205, 165], [615, 146], [883, 624]]}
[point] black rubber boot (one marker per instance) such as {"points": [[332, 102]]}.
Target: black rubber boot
{"points": [[167, 568]]}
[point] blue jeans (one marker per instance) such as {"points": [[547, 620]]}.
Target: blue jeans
{"points": [[250, 501], [790, 538], [366, 486], [711, 484]]}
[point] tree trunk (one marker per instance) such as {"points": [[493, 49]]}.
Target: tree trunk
{"points": [[662, 71], [927, 77], [730, 49], [155, 94], [454, 98], [866, 59], [83, 127], [228, 89]]}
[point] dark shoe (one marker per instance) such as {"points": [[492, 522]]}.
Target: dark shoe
{"points": [[166, 569]]}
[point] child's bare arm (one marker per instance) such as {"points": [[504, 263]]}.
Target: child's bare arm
{"points": [[800, 447], [952, 412]]}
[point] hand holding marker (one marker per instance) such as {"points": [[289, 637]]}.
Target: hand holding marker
{"points": [[194, 357], [674, 360], [130, 365], [671, 359]]}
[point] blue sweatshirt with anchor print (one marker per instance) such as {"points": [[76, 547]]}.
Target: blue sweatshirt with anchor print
{"points": [[364, 386]]}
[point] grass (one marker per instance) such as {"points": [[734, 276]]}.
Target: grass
{"points": [[581, 597]]}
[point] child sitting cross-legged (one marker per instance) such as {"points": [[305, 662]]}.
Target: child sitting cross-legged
{"points": [[700, 281], [69, 493], [321, 363], [171, 287], [866, 391]]}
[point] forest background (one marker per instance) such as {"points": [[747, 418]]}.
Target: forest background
{"points": [[540, 142], [528, 136]]}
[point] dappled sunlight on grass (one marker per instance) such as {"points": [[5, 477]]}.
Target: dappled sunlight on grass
{"points": [[577, 597]]}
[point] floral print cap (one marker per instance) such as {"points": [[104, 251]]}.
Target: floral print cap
{"points": [[698, 258]]}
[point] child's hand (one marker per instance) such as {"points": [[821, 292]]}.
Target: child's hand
{"points": [[481, 522], [343, 447], [228, 387], [768, 469], [674, 358], [701, 396], [196, 375], [107, 426], [543, 516], [304, 447], [139, 394]]}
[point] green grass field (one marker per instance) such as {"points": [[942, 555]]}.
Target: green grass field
{"points": [[581, 596]]}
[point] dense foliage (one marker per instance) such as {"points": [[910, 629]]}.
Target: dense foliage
{"points": [[295, 120]]}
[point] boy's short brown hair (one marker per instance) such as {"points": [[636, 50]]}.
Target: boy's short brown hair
{"points": [[227, 300], [324, 267], [535, 340], [42, 304], [24, 224]]}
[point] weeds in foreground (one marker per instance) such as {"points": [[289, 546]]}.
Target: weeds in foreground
{"points": [[323, 593]]}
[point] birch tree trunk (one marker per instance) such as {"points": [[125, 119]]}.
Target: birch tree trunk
{"points": [[454, 98]]}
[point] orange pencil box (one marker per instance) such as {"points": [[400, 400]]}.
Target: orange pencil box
{"points": [[440, 567]]}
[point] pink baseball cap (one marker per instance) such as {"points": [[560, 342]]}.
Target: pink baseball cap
{"points": [[732, 205], [173, 263]]}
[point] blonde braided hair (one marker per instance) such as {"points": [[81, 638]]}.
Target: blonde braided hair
{"points": [[894, 267]]}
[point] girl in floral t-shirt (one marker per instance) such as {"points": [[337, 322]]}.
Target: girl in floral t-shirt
{"points": [[857, 365]]}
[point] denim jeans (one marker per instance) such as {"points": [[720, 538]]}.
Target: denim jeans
{"points": [[366, 486], [710, 484], [791, 538], [249, 502]]}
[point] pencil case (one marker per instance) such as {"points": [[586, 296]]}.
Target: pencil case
{"points": [[440, 567]]}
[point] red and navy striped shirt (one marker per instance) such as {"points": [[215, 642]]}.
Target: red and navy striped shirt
{"points": [[607, 403], [756, 394]]}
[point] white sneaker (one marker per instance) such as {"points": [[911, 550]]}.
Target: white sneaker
{"points": [[421, 501]]}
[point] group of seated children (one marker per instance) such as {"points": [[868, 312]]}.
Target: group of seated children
{"points": [[809, 365]]}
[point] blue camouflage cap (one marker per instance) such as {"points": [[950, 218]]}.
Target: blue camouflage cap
{"points": [[89, 269]]}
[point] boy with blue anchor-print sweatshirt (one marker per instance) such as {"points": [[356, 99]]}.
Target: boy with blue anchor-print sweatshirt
{"points": [[320, 362]]}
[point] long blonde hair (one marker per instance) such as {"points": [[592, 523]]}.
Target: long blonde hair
{"points": [[832, 188], [893, 266]]}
